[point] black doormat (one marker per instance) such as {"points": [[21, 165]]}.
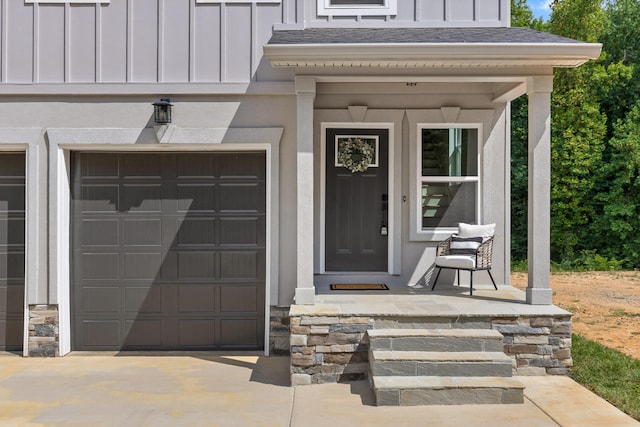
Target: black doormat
{"points": [[359, 287]]}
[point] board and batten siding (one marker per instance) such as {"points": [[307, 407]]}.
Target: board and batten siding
{"points": [[134, 41], [184, 41]]}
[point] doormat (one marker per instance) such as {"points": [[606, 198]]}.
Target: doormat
{"points": [[359, 287]]}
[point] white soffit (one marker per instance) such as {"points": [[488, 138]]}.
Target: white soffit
{"points": [[436, 55]]}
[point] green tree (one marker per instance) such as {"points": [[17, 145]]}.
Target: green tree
{"points": [[578, 129]]}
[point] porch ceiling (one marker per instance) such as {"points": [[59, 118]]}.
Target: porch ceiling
{"points": [[452, 48]]}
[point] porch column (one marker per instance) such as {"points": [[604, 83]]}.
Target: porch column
{"points": [[305, 94], [539, 202]]}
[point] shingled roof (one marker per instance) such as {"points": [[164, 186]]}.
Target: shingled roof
{"points": [[414, 35]]}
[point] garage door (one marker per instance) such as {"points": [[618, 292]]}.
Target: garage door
{"points": [[12, 167], [168, 251]]}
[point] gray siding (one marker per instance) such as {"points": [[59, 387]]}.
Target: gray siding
{"points": [[423, 13], [179, 41], [134, 41]]}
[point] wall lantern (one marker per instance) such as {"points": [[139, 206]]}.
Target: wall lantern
{"points": [[162, 111]]}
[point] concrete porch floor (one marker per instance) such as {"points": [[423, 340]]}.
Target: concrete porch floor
{"points": [[444, 301]]}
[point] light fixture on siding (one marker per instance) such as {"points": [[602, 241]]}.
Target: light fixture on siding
{"points": [[162, 111]]}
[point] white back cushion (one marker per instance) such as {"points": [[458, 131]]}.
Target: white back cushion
{"points": [[471, 230]]}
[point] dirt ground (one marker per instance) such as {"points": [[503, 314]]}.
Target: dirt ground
{"points": [[605, 305]]}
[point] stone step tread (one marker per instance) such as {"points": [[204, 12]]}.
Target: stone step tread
{"points": [[447, 333], [442, 383], [440, 356]]}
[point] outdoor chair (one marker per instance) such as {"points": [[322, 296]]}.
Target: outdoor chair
{"points": [[470, 250]]}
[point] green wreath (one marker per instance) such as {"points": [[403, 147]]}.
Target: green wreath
{"points": [[355, 154]]}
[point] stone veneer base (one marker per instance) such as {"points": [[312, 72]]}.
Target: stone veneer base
{"points": [[44, 334], [327, 349]]}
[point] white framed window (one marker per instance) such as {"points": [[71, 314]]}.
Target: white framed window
{"points": [[357, 7], [448, 176]]}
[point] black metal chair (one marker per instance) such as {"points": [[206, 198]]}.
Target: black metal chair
{"points": [[469, 258]]}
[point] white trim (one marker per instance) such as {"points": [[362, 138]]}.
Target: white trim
{"points": [[325, 8], [393, 230], [420, 55], [421, 119], [65, 140]]}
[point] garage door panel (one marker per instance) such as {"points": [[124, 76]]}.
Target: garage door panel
{"points": [[196, 299], [240, 197], [101, 299], [143, 332], [242, 231], [11, 198], [141, 165], [196, 265], [12, 265], [100, 232], [12, 232], [196, 197], [101, 333], [239, 298], [174, 247], [99, 165], [142, 198], [100, 266], [143, 299], [239, 265], [12, 165], [197, 232], [11, 333], [242, 166], [238, 332], [143, 232], [142, 265], [195, 165], [99, 198], [197, 333]]}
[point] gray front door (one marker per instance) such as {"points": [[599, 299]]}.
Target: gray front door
{"points": [[169, 250], [356, 205], [12, 232]]}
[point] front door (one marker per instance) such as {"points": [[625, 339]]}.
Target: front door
{"points": [[356, 200]]}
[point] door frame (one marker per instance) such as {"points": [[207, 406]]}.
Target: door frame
{"points": [[65, 140], [391, 220]]}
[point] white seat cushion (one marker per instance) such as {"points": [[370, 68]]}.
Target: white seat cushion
{"points": [[456, 261]]}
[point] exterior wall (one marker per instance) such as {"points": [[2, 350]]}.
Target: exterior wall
{"points": [[424, 13], [136, 41], [184, 41], [326, 349]]}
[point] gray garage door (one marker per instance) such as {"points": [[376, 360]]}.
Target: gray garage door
{"points": [[169, 251], [12, 167]]}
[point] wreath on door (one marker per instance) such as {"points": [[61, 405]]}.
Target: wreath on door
{"points": [[355, 154]]}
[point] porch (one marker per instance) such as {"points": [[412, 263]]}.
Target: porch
{"points": [[329, 340]]}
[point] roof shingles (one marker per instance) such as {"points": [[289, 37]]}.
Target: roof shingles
{"points": [[414, 36]]}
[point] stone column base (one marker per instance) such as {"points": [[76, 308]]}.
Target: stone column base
{"points": [[44, 335]]}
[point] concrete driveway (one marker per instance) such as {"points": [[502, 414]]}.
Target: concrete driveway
{"points": [[206, 389]]}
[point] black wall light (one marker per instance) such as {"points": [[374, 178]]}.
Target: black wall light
{"points": [[162, 111]]}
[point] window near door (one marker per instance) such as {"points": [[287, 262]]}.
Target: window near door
{"points": [[448, 177], [357, 7]]}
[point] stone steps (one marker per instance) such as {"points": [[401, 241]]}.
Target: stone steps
{"points": [[441, 367], [442, 390], [448, 363]]}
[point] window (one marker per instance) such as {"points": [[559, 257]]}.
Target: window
{"points": [[448, 177], [357, 7]]}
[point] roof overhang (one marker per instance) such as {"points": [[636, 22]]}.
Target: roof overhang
{"points": [[431, 55]]}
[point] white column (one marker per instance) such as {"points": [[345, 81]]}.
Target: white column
{"points": [[539, 202], [305, 94]]}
